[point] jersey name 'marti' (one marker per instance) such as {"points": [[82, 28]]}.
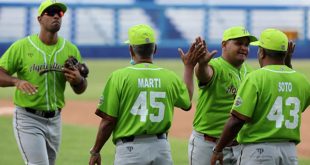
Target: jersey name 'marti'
{"points": [[149, 83], [285, 87]]}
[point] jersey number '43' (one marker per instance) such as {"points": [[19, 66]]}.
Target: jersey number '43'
{"points": [[276, 113]]}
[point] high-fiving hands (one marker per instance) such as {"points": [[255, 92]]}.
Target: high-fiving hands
{"points": [[197, 53], [208, 55], [289, 54]]}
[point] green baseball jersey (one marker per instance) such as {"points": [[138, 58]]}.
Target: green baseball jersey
{"points": [[216, 98], [30, 56], [142, 98], [271, 100]]}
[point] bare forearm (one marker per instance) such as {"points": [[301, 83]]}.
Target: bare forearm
{"points": [[203, 73], [229, 133], [188, 79], [6, 80], [104, 132], [289, 54], [288, 63]]}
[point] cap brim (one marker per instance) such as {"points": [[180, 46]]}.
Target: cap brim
{"points": [[127, 42], [58, 4], [253, 38], [255, 43], [61, 5]]}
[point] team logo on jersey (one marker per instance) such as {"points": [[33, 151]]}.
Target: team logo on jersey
{"points": [[232, 90], [238, 101], [43, 68], [30, 54], [101, 100]]}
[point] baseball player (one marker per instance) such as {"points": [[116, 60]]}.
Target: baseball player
{"points": [[267, 110], [218, 81], [40, 84], [138, 101]]}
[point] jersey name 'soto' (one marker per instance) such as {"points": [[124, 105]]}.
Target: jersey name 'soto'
{"points": [[285, 87]]}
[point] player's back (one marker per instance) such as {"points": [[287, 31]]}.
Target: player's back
{"points": [[150, 78], [146, 96], [279, 81], [282, 95]]}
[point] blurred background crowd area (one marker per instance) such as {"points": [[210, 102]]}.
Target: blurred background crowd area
{"points": [[99, 27]]}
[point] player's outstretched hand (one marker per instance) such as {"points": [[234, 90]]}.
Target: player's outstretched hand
{"points": [[195, 52], [291, 48], [208, 55], [26, 87], [289, 53], [95, 160]]}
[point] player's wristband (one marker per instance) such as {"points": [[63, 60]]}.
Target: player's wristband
{"points": [[93, 153]]}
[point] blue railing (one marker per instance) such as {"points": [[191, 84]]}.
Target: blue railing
{"points": [[114, 47]]}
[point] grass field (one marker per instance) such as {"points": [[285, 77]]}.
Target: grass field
{"points": [[74, 150], [101, 69], [77, 140]]}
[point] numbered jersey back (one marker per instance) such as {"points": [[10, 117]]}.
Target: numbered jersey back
{"points": [[272, 98], [143, 97]]}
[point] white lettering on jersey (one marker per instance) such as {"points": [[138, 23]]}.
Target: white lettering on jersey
{"points": [[42, 67], [285, 87], [149, 83]]}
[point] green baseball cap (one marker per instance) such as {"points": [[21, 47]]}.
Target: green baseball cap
{"points": [[140, 34], [272, 39], [237, 32], [45, 4]]}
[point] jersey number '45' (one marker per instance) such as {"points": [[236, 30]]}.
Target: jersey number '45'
{"points": [[140, 106]]}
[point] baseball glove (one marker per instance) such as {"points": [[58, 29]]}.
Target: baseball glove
{"points": [[72, 63]]}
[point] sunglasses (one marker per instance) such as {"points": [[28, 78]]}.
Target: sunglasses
{"points": [[52, 11]]}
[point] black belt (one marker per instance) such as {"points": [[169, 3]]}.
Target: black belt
{"points": [[42, 113], [215, 140], [132, 138]]}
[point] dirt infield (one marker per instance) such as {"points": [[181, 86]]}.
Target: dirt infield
{"points": [[82, 113]]}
